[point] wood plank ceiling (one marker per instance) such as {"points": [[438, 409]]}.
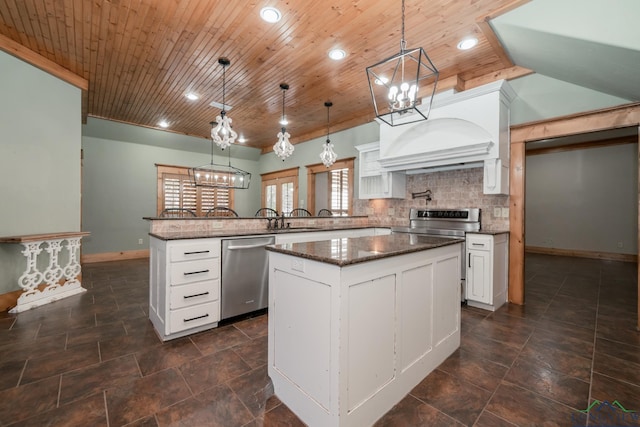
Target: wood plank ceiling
{"points": [[141, 57]]}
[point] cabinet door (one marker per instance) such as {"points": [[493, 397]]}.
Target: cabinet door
{"points": [[479, 276]]}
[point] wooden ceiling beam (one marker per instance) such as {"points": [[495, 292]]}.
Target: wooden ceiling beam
{"points": [[490, 35], [16, 49]]}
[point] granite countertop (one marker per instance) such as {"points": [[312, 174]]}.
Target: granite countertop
{"points": [[354, 250], [203, 234]]}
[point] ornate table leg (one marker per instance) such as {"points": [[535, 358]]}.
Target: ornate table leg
{"points": [[31, 277], [44, 287]]}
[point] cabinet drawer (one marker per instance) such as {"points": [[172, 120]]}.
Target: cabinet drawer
{"points": [[194, 250], [194, 271], [479, 243], [191, 317], [194, 293]]}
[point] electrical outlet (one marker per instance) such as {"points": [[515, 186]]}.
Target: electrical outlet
{"points": [[620, 245], [392, 211], [505, 212], [139, 241], [497, 212], [217, 224], [369, 211], [297, 264]]}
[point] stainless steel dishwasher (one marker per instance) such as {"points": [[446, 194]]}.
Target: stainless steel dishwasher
{"points": [[245, 275]]}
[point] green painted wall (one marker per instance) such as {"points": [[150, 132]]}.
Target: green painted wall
{"points": [[40, 138], [120, 182]]}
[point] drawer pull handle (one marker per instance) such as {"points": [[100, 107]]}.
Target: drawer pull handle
{"points": [[477, 244], [469, 260], [196, 272], [196, 252], [196, 318], [196, 295]]}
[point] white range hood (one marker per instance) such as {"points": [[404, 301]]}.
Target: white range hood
{"points": [[465, 129]]}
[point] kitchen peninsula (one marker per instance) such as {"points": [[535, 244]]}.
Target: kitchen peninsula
{"points": [[356, 323]]}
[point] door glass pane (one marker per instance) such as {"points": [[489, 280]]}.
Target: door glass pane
{"points": [[339, 196], [287, 197], [270, 197]]}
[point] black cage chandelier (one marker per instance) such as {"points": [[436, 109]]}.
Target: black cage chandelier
{"points": [[219, 175], [395, 84]]}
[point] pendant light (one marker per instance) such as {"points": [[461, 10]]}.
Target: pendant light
{"points": [[219, 175], [395, 84], [223, 135], [328, 156], [283, 147]]}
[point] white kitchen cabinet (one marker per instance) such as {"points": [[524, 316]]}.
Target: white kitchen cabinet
{"points": [[346, 343], [373, 181], [487, 262], [184, 294]]}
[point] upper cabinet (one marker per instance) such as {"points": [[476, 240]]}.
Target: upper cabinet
{"points": [[373, 181], [464, 129]]}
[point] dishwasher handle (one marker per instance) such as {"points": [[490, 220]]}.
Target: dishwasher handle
{"points": [[257, 245]]}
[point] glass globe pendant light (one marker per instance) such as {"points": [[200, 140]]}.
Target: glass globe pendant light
{"points": [[223, 135], [283, 148], [328, 156]]}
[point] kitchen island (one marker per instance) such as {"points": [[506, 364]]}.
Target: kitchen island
{"points": [[356, 323]]}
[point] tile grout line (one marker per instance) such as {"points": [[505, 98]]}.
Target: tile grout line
{"points": [[595, 334], [503, 379]]}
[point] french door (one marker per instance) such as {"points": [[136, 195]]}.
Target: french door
{"points": [[280, 190]]}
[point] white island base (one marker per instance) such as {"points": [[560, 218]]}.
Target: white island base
{"points": [[346, 343]]}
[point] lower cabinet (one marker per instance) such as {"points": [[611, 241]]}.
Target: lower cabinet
{"points": [[487, 264], [184, 294]]}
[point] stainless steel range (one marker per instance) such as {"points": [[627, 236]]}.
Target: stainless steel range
{"points": [[453, 223]]}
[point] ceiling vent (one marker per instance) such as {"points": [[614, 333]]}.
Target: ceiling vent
{"points": [[218, 105]]}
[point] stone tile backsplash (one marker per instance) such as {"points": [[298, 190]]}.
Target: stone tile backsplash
{"points": [[460, 188]]}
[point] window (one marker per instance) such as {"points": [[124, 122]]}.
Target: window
{"points": [[331, 188], [280, 190], [339, 192], [176, 190]]}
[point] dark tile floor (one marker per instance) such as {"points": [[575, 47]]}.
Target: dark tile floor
{"points": [[95, 360]]}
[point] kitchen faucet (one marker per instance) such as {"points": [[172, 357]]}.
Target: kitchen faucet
{"points": [[275, 226], [281, 221]]}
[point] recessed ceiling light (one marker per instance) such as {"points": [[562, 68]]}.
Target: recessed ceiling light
{"points": [[270, 14], [467, 43], [337, 54], [163, 124], [191, 96]]}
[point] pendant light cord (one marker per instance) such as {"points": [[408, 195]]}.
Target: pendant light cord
{"points": [[403, 43], [328, 107], [283, 92], [224, 84]]}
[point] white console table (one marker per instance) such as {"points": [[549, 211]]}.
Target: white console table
{"points": [[55, 281]]}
